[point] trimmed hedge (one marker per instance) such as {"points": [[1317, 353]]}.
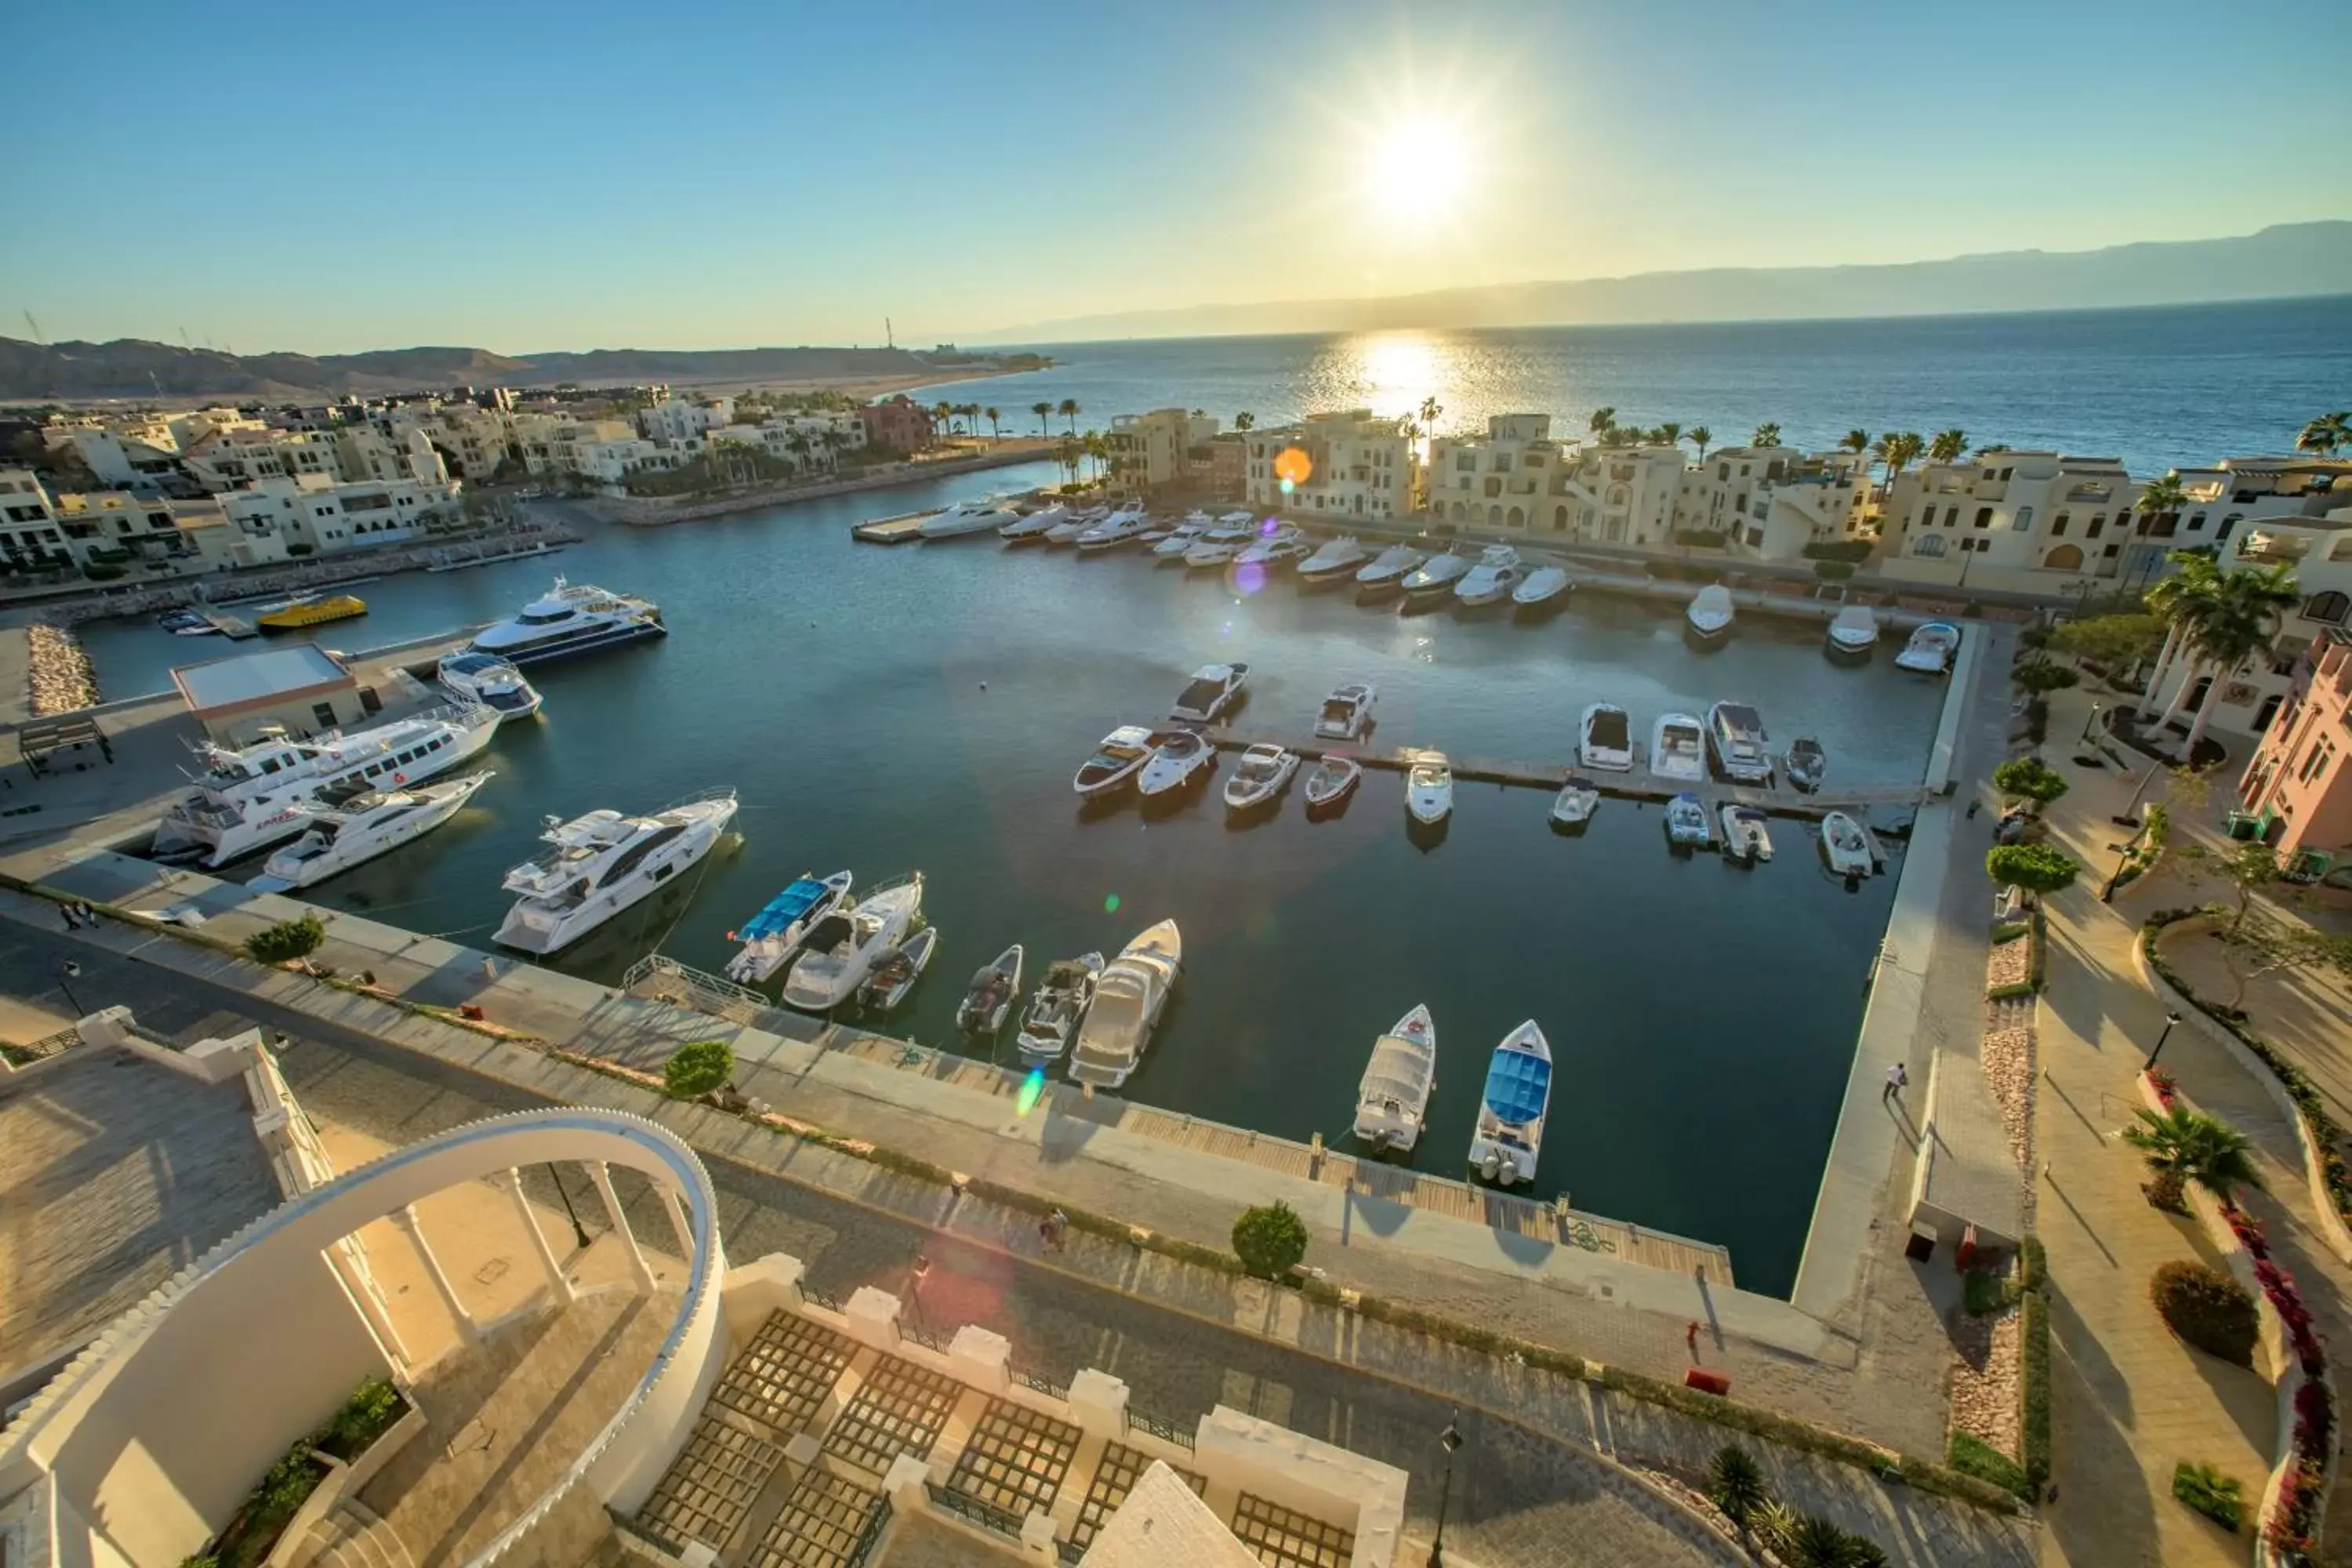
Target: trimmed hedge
{"points": [[2033, 1273], [1833, 571], [1972, 1456], [1845, 549]]}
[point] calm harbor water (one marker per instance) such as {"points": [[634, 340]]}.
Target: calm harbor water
{"points": [[922, 708]]}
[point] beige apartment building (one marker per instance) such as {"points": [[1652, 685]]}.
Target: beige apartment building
{"points": [[1771, 503], [1152, 451], [2042, 522], [1497, 481], [1347, 464]]}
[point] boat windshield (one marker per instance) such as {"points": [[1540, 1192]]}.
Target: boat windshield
{"points": [[1609, 730], [1429, 775]]}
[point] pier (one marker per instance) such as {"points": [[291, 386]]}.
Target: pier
{"points": [[896, 529]]}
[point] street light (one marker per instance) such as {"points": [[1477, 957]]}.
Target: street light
{"points": [[922, 1267], [578, 1231], [68, 970], [2092, 722], [1449, 1439], [2169, 1019]]}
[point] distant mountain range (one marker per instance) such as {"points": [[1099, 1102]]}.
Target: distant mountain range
{"points": [[2285, 261], [132, 367]]}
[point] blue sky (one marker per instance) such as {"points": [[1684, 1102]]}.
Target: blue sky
{"points": [[325, 178]]}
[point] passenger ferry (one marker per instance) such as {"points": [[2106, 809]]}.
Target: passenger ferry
{"points": [[296, 614], [571, 618]]}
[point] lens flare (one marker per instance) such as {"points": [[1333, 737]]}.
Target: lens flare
{"points": [[1287, 487], [1249, 577], [1268, 529], [1293, 465], [1110, 904], [1032, 1088]]}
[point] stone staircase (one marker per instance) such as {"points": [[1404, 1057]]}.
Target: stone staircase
{"points": [[351, 1537]]}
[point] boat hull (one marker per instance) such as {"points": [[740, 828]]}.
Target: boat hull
{"points": [[635, 631]]}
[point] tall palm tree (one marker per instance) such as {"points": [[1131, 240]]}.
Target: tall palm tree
{"points": [[995, 418], [2195, 1147], [1855, 441], [1430, 409], [1700, 435], [1898, 449], [1043, 411], [2248, 609], [1670, 434], [1766, 434], [1947, 446], [2181, 600], [944, 413], [1245, 421], [1066, 452], [2324, 433], [1069, 411], [798, 442], [971, 411], [1603, 420], [1096, 450]]}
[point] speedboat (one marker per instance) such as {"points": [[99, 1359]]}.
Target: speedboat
{"points": [[1269, 550], [1179, 539], [1387, 571], [600, 864], [1509, 1135], [1679, 748], [1176, 756], [345, 833], [1062, 999], [1434, 579], [846, 944], [1127, 517], [491, 682], [1211, 550], [316, 611], [894, 974], [1213, 690], [1397, 1081], [1930, 649], [1263, 773], [1543, 590], [1429, 788], [571, 618], [1852, 631], [1845, 845], [1245, 520], [1333, 780], [1120, 528], [1334, 559], [1498, 572], [1744, 834], [1605, 740], [1129, 996], [772, 936], [182, 620], [1119, 757], [1735, 738], [964, 517], [251, 797], [1346, 713], [1032, 528], [1578, 799], [988, 1000], [1807, 762], [1687, 824], [1709, 615]]}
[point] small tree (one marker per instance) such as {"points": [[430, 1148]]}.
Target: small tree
{"points": [[286, 941], [2258, 945], [2207, 1308], [2038, 869], [2120, 642], [1736, 1487], [2030, 778], [2041, 676], [1270, 1240], [693, 1070]]}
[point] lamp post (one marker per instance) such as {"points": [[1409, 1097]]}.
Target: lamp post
{"points": [[922, 1266], [68, 970], [2169, 1019], [578, 1231], [1449, 1439], [2092, 722], [2123, 858]]}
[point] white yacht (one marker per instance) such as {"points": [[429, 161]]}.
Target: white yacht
{"points": [[251, 797], [1852, 631], [1178, 756], [1285, 544], [1264, 772], [1216, 547], [1498, 572], [986, 516], [1122, 522], [1180, 540], [1129, 996], [1213, 690], [1429, 789], [491, 682], [1062, 999], [1845, 845], [1113, 531], [1435, 578], [1394, 1093], [1709, 615], [1679, 748], [347, 832], [773, 936], [1735, 735], [1578, 799], [844, 946], [1347, 712], [570, 618], [1605, 738], [1029, 528], [1745, 837], [1688, 825], [600, 864], [1511, 1108], [1930, 649], [1334, 559], [1387, 571], [1119, 757], [1542, 589], [1243, 520], [1335, 778]]}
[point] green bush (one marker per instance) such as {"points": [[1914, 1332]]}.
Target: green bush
{"points": [[2207, 1308], [369, 1411], [1270, 1240], [695, 1069], [2036, 867], [2044, 677], [2029, 778], [1839, 550], [98, 573], [1833, 571], [2037, 719], [298, 550], [2209, 1493], [2033, 1273], [1972, 1456], [287, 940], [1700, 538], [1736, 1486]]}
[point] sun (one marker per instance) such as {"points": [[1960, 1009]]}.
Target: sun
{"points": [[1418, 166]]}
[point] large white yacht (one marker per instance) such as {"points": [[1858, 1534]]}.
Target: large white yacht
{"points": [[347, 832], [250, 799], [1334, 559], [1394, 1093], [1024, 530], [1179, 540], [1113, 531], [1677, 748], [600, 864], [845, 945], [1734, 734], [1499, 570], [1511, 1108], [1435, 578], [1387, 571], [1129, 996], [570, 617], [1852, 630], [968, 517], [491, 682]]}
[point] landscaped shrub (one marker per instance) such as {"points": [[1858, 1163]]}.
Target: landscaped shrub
{"points": [[1700, 538], [695, 1069], [2044, 677], [1972, 1456], [2033, 1273], [1838, 550], [2211, 1493], [2029, 778], [2036, 867], [1833, 570], [287, 940], [2037, 719], [98, 573], [1736, 1486], [2207, 1308], [298, 550], [371, 1411], [1270, 1240]]}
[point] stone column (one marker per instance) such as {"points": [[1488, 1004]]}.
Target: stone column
{"points": [[405, 1217], [681, 1224], [601, 1175], [557, 1285]]}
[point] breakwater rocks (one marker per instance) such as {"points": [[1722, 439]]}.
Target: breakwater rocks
{"points": [[62, 680]]}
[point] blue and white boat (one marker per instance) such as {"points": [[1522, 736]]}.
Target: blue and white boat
{"points": [[1687, 823], [771, 937], [1511, 1108], [571, 618]]}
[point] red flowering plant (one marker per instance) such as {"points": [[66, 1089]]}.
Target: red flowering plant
{"points": [[2294, 1528], [2166, 1087]]}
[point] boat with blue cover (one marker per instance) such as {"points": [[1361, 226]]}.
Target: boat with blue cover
{"points": [[771, 937], [1511, 1108]]}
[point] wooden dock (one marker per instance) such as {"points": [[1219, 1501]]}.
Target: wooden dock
{"points": [[896, 529]]}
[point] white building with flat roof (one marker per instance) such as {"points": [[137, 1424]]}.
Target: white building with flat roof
{"points": [[1349, 464], [2043, 523], [1497, 482], [1149, 451], [1770, 502], [31, 537]]}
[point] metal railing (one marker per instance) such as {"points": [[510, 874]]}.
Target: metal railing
{"points": [[1153, 1425], [49, 1044], [870, 1537], [816, 1298], [922, 1335], [704, 992], [1040, 1383], [971, 1510]]}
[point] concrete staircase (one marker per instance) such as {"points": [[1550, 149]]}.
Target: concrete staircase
{"points": [[351, 1537]]}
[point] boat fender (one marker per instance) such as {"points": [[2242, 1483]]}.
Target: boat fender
{"points": [[400, 778]]}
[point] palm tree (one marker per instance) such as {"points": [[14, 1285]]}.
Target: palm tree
{"points": [[1947, 446], [1245, 421], [1855, 441], [2324, 433], [1430, 409], [971, 411], [2181, 601], [2194, 1147], [1736, 1487], [944, 413], [1043, 411], [995, 418], [1816, 1543], [1096, 450], [1700, 435], [1603, 420], [1898, 449], [1069, 411], [798, 442], [1766, 434], [2243, 624], [1066, 451], [1670, 434]]}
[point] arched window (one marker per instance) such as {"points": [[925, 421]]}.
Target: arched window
{"points": [[1559, 520], [1616, 496], [1930, 544], [2065, 558], [1518, 518], [1495, 515], [2329, 608]]}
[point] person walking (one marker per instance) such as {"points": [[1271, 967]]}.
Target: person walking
{"points": [[1897, 1076], [66, 913], [1057, 1226], [1690, 1338]]}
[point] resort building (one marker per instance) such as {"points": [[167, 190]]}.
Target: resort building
{"points": [[142, 461], [1771, 503], [2225, 498], [2296, 794], [317, 516], [897, 422], [31, 539], [551, 444], [803, 440], [232, 460], [1350, 463], [683, 419], [1152, 451], [2039, 522], [1497, 481], [1616, 495], [118, 528]]}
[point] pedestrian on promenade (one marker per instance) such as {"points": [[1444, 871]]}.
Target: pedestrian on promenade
{"points": [[1896, 1076], [1690, 1338], [65, 911], [88, 915]]}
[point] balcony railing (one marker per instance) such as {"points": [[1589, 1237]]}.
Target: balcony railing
{"points": [[971, 1510], [1040, 1383], [1166, 1431]]}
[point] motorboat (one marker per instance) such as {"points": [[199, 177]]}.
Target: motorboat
{"points": [[773, 936], [1111, 533], [1270, 550], [1213, 689], [1179, 539], [250, 797], [489, 681], [1332, 560], [1245, 520], [1605, 738], [1429, 788], [988, 1000], [1062, 1000], [1498, 572], [894, 974], [1709, 615], [1394, 1093], [1129, 995], [1846, 846], [182, 620], [1177, 756], [598, 865], [1853, 631], [1930, 649], [1679, 748], [1542, 589], [1031, 528], [1745, 837], [985, 516], [1578, 799], [1511, 1108], [1434, 578], [1122, 520], [1264, 772], [1736, 739], [1332, 780], [1687, 824], [844, 947], [316, 611], [571, 618], [1211, 550], [1807, 762], [348, 832], [1119, 757], [1346, 713], [1387, 571]]}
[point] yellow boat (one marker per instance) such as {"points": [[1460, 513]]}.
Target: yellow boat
{"points": [[312, 611]]}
